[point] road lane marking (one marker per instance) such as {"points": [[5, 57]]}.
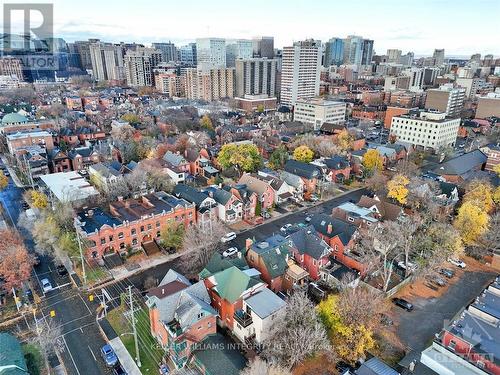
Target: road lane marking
{"points": [[71, 356], [87, 306], [91, 352]]}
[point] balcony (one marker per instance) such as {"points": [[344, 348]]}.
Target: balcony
{"points": [[243, 318]]}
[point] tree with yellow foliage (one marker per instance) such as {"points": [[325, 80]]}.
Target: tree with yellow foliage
{"points": [[480, 193], [471, 222], [350, 339], [304, 154], [373, 161], [38, 199], [345, 140], [397, 188], [4, 181], [496, 195], [496, 169], [206, 122]]}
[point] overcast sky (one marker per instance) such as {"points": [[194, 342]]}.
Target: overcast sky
{"points": [[462, 27]]}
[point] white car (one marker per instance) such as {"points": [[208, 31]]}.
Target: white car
{"points": [[285, 227], [228, 237], [229, 252], [457, 262], [411, 266], [46, 285]]}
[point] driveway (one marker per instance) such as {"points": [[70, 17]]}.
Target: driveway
{"points": [[417, 328]]}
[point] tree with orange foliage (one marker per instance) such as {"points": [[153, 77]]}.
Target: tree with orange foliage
{"points": [[15, 261]]}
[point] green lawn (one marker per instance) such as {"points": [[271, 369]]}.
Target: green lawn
{"points": [[149, 352]]}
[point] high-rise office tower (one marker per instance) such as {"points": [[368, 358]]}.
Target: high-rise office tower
{"points": [[256, 76], [438, 56], [263, 46], [447, 99], [394, 55], [107, 61], [300, 71], [139, 66], [353, 50], [334, 52], [210, 84], [187, 54], [416, 78], [211, 53], [168, 51], [367, 52], [238, 49], [476, 58], [407, 60], [83, 50]]}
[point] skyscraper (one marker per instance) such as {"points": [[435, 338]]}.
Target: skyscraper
{"points": [[139, 66], [393, 55], [107, 61], [334, 52], [438, 56], [256, 76], [211, 53], [210, 84], [300, 71], [238, 49], [187, 54], [168, 51], [353, 50], [367, 52], [407, 60], [263, 46]]}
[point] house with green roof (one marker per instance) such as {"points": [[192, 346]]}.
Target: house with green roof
{"points": [[271, 258], [12, 360], [228, 289], [219, 263]]}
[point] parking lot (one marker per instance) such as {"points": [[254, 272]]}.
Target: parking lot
{"points": [[417, 328]]}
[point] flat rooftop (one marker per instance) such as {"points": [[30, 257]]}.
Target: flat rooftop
{"points": [[69, 186]]}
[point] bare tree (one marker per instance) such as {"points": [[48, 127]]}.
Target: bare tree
{"points": [[361, 306], [379, 248], [258, 366], [407, 228], [48, 339], [489, 242], [200, 243], [297, 334], [377, 183]]}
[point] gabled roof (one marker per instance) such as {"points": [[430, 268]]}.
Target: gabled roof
{"points": [[307, 241], [11, 354], [375, 366], [84, 152], [462, 164], [190, 194], [305, 170], [328, 127], [218, 355], [387, 210], [253, 183], [274, 253], [232, 283], [447, 188], [218, 263], [336, 162], [341, 228], [174, 159]]}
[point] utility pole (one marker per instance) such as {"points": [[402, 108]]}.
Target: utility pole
{"points": [[81, 255], [134, 330]]}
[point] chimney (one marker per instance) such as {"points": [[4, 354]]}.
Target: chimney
{"points": [[162, 291], [329, 229]]}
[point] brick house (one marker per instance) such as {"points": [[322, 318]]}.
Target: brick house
{"points": [[247, 198], [309, 250], [229, 207], [131, 222], [228, 289], [309, 174], [270, 257], [382, 209], [33, 138], [339, 168], [263, 189], [458, 169], [180, 316], [59, 161], [83, 157]]}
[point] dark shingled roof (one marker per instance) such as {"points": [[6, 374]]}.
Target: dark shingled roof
{"points": [[337, 162], [462, 164], [218, 355], [307, 241], [340, 228], [190, 194], [218, 263], [274, 252], [302, 169]]}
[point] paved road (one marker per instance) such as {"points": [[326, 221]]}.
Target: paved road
{"points": [[417, 328], [76, 316]]}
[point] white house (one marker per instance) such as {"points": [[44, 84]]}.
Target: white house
{"points": [[259, 314]]}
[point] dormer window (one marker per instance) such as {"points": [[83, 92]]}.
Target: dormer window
{"points": [[200, 315]]}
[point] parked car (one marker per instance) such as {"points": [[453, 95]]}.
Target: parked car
{"points": [[46, 285], [457, 262], [109, 356], [447, 272], [61, 270], [315, 292], [344, 368], [164, 370], [308, 219], [436, 280], [118, 370], [229, 252], [314, 198], [285, 227], [228, 237], [403, 303], [411, 266]]}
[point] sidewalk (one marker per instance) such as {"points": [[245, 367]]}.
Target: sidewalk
{"points": [[124, 357], [13, 174]]}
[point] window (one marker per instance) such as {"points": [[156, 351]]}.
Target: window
{"points": [[122, 245], [452, 344], [120, 235], [134, 241], [142, 228], [94, 254], [110, 238], [103, 241], [209, 325], [133, 232], [150, 227], [157, 224], [158, 234], [350, 219]]}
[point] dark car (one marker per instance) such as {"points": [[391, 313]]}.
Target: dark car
{"points": [[61, 270], [344, 368], [315, 292], [447, 272], [118, 370], [403, 303], [109, 356]]}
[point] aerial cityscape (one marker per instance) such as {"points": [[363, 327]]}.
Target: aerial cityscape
{"points": [[265, 188]]}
